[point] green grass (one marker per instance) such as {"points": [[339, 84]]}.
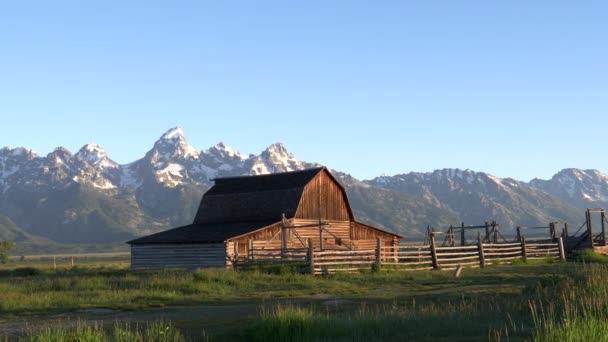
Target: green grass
{"points": [[530, 301], [588, 255], [156, 331], [564, 306]]}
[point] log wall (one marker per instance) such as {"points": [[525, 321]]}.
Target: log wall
{"points": [[178, 255]]}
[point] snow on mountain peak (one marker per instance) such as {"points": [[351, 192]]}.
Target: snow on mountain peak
{"points": [[95, 155], [274, 159], [278, 148], [174, 133], [222, 150], [173, 144]]}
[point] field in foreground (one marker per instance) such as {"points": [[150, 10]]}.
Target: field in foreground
{"points": [[547, 302]]}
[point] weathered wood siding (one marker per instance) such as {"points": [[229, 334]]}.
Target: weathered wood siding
{"points": [[336, 235], [178, 255], [360, 231], [323, 198], [263, 234]]}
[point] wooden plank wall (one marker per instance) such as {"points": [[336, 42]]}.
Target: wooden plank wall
{"points": [[323, 198], [264, 234], [341, 230], [361, 231], [178, 255]]}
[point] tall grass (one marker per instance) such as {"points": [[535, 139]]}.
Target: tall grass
{"points": [[552, 302], [560, 307], [157, 331]]}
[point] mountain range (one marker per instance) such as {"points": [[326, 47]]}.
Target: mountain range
{"points": [[87, 198]]}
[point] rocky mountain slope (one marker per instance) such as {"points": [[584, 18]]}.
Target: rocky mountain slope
{"points": [[476, 197], [88, 198]]}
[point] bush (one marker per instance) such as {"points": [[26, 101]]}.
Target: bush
{"points": [[5, 249], [26, 271]]}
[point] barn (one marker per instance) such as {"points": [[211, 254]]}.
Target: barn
{"points": [[276, 213]]}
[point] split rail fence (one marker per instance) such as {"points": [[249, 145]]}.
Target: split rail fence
{"points": [[427, 257], [402, 257]]}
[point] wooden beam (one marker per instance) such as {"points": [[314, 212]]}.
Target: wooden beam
{"points": [[434, 252], [311, 257], [462, 237], [482, 258], [562, 254], [603, 214]]}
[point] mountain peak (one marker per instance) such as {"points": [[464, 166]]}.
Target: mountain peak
{"points": [[17, 152], [175, 133], [222, 150], [277, 148], [173, 144], [94, 155]]}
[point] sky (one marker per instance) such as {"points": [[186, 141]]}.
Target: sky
{"points": [[514, 88]]}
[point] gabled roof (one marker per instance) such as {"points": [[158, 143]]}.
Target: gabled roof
{"points": [[239, 205], [254, 198], [202, 233]]}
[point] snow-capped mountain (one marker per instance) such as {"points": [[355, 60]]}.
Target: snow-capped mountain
{"points": [[160, 190], [584, 188], [477, 197], [87, 197]]}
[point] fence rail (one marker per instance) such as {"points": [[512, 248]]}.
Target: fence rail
{"points": [[407, 257]]}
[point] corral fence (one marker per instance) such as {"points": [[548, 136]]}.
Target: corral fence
{"points": [[72, 259], [403, 257]]}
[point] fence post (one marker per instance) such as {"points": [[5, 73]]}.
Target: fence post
{"points": [[72, 260], [311, 257], [524, 254], [519, 234], [250, 250], [378, 252], [562, 254], [54, 263], [434, 252], [235, 255], [603, 228], [462, 237], [482, 258], [590, 227], [320, 235]]}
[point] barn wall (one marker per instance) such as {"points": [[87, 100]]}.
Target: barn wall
{"points": [[323, 198], [336, 235], [178, 255], [263, 234], [340, 230], [362, 232]]}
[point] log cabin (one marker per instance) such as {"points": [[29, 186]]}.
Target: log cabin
{"points": [[276, 213]]}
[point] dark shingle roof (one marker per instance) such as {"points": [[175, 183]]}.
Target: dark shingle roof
{"points": [[213, 232], [238, 205], [254, 198]]}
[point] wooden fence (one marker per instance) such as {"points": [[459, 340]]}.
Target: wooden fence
{"points": [[404, 257], [426, 257], [326, 262]]}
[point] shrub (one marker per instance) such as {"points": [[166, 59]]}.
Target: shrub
{"points": [[26, 271], [5, 249]]}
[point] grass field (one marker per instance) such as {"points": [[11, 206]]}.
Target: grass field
{"points": [[542, 302]]}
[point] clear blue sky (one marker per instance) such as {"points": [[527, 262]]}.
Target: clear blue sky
{"points": [[514, 88]]}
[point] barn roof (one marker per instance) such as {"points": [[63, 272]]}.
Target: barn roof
{"points": [[254, 198], [201, 233], [239, 205]]}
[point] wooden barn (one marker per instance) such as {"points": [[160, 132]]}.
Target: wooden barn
{"points": [[278, 214]]}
